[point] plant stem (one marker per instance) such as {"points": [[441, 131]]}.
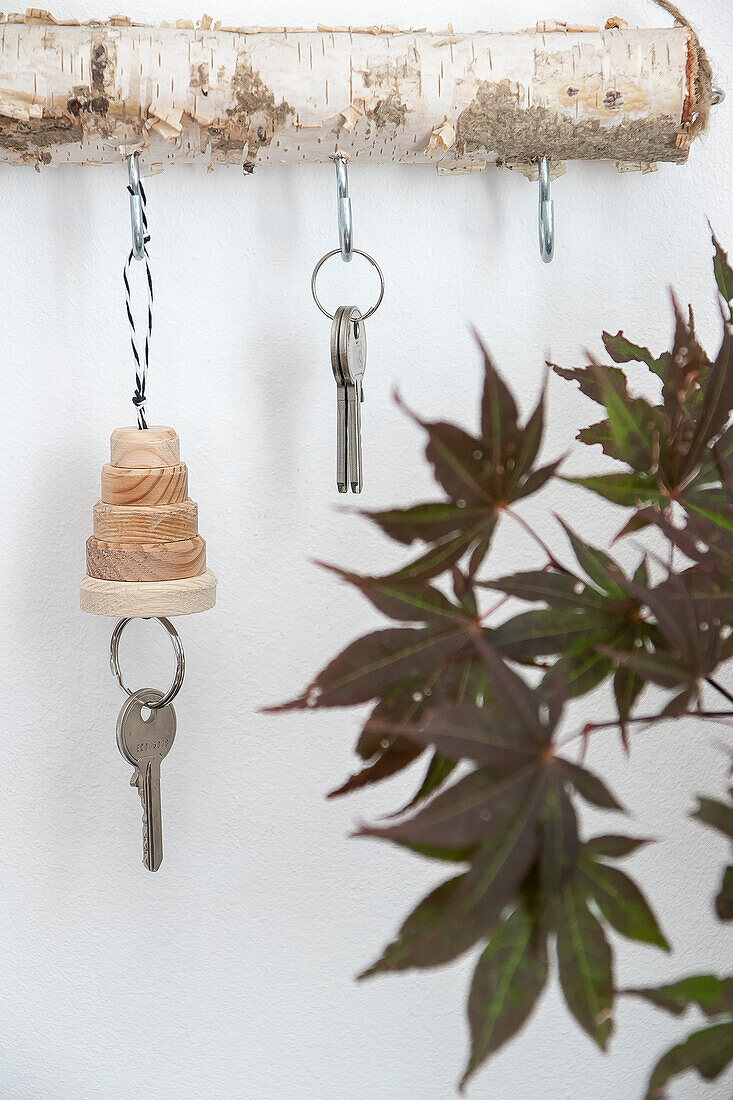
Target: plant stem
{"points": [[505, 599], [648, 719], [719, 687], [669, 514], [552, 560], [502, 601]]}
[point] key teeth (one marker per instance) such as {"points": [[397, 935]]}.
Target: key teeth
{"points": [[146, 853]]}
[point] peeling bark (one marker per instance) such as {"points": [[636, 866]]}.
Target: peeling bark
{"points": [[91, 94], [496, 119]]}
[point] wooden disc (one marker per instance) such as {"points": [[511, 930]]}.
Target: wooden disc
{"points": [[164, 485], [140, 524], [148, 599], [153, 561], [134, 449]]}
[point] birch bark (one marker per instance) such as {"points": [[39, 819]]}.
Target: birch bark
{"points": [[91, 94]]}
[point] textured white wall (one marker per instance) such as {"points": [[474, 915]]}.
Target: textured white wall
{"points": [[229, 974]]}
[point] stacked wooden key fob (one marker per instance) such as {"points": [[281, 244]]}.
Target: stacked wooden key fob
{"points": [[146, 557]]}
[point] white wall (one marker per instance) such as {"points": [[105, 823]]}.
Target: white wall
{"points": [[229, 974]]}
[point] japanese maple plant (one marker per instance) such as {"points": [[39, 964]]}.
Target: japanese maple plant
{"points": [[494, 697]]}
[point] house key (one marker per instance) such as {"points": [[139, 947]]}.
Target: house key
{"points": [[342, 460], [144, 744], [348, 349], [352, 358]]}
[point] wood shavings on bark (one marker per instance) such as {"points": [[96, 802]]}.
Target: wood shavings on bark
{"points": [[442, 138], [351, 116], [21, 106], [645, 167], [531, 171], [452, 165], [553, 26], [166, 121]]}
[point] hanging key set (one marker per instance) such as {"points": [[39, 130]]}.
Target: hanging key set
{"points": [[348, 345], [145, 558]]}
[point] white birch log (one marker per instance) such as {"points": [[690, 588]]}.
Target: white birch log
{"points": [[91, 94]]}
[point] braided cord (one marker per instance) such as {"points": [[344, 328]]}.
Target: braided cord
{"points": [[142, 361]]}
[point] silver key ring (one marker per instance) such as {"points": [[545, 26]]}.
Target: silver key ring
{"points": [[114, 660], [356, 252]]}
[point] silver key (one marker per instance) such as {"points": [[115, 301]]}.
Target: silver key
{"points": [[341, 430], [352, 357], [144, 745]]}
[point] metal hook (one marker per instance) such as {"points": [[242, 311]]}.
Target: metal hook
{"points": [[345, 220], [719, 95], [136, 207], [547, 214]]}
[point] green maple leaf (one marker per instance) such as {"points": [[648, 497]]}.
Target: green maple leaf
{"points": [[713, 996], [585, 962], [709, 1050], [719, 815], [623, 350], [511, 817], [584, 954], [507, 982], [621, 902], [688, 643], [406, 669], [723, 276], [707, 541], [668, 446], [480, 475], [582, 615]]}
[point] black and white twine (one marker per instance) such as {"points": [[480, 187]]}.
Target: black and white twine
{"points": [[139, 397]]}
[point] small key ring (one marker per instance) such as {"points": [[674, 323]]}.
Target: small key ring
{"points": [[114, 660], [357, 252]]}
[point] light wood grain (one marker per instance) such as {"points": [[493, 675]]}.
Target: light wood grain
{"points": [[147, 599], [153, 447], [166, 485], [138, 524], [155, 561]]}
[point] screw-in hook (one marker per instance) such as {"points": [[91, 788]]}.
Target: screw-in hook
{"points": [[546, 214], [136, 207], [345, 220], [718, 97]]}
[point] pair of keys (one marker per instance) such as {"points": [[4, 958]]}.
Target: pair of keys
{"points": [[348, 362], [144, 743]]}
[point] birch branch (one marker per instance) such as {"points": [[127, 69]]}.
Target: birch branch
{"points": [[91, 94]]}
